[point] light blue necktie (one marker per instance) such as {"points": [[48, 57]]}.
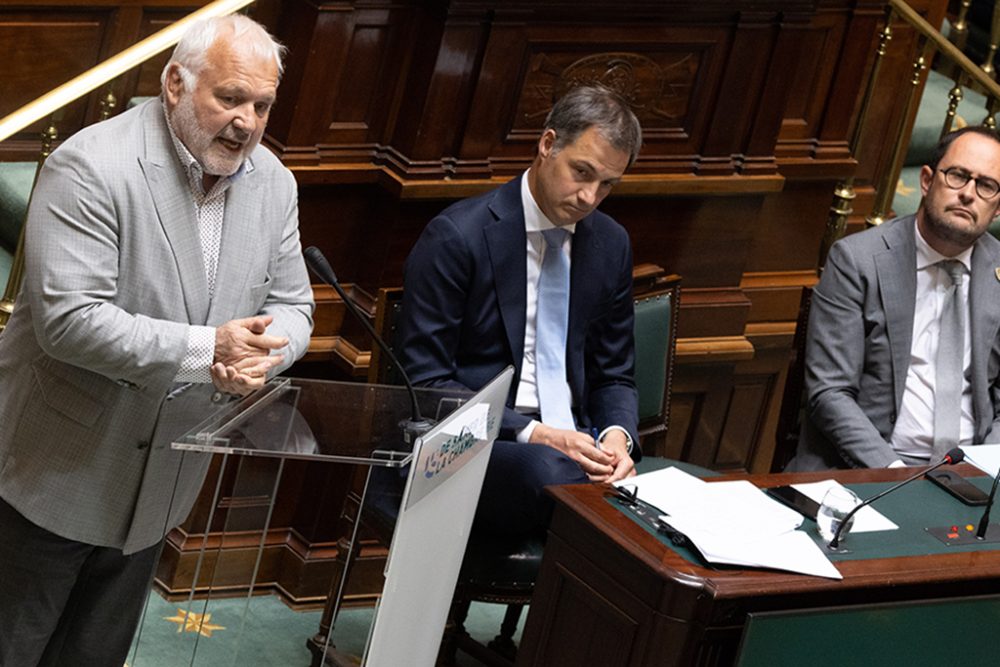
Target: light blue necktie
{"points": [[949, 366], [551, 321]]}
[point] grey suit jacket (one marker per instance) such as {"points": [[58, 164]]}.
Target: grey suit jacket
{"points": [[858, 349], [114, 276]]}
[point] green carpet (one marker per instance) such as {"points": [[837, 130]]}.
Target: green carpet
{"points": [[217, 633]]}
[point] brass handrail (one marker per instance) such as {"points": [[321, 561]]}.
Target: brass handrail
{"points": [[945, 47], [76, 88], [114, 66], [967, 72]]}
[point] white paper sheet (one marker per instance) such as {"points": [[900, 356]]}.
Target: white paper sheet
{"points": [[733, 523], [793, 551], [984, 457], [724, 507]]}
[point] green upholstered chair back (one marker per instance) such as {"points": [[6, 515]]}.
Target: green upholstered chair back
{"points": [[16, 180], [655, 347]]}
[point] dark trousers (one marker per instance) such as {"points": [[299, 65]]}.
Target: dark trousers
{"points": [[512, 501], [65, 603]]}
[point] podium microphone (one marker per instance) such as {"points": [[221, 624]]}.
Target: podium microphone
{"points": [[984, 522], [954, 455], [417, 425]]}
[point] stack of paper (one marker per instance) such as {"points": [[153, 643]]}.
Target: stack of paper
{"points": [[733, 523]]}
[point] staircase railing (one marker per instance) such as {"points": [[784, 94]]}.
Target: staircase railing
{"points": [[963, 72], [97, 76]]}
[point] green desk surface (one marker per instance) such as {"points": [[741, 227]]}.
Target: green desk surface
{"points": [[913, 508]]}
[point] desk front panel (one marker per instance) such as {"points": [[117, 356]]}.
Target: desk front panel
{"points": [[606, 583]]}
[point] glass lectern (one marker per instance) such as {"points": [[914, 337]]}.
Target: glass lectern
{"points": [[314, 420]]}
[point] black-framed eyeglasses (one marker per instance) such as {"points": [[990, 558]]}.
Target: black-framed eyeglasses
{"points": [[957, 178]]}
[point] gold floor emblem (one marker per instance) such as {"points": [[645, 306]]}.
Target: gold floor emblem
{"points": [[192, 622], [996, 272]]}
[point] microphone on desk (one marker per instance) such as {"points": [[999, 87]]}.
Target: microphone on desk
{"points": [[417, 425], [954, 455], [984, 522]]}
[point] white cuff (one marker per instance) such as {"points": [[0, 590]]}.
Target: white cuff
{"points": [[197, 362], [628, 438], [524, 435]]}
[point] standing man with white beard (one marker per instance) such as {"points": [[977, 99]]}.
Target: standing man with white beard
{"points": [[163, 273]]}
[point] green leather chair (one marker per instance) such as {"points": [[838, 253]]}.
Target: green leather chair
{"points": [[655, 347], [16, 179]]}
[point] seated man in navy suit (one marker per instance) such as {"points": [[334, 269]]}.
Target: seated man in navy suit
{"points": [[532, 275]]}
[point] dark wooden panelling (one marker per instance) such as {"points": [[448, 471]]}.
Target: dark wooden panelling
{"points": [[44, 44], [812, 79], [391, 109], [42, 50], [670, 75]]}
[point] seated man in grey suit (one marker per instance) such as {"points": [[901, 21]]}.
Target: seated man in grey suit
{"points": [[163, 272], [903, 355]]}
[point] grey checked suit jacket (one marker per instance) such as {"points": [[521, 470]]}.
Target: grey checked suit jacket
{"points": [[858, 349], [114, 276]]}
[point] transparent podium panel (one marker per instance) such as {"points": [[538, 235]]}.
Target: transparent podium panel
{"points": [[217, 597]]}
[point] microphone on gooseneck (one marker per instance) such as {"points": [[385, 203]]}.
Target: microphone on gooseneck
{"points": [[417, 425], [954, 455], [984, 522]]}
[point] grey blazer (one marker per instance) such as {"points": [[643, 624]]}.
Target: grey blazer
{"points": [[858, 349], [114, 276]]}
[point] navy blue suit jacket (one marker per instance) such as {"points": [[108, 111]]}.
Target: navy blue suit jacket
{"points": [[464, 305]]}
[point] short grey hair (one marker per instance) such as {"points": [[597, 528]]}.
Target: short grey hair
{"points": [[247, 36], [595, 106]]}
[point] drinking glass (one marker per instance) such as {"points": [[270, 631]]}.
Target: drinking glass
{"points": [[837, 504]]}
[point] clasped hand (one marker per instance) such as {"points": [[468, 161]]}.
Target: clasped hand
{"points": [[607, 463], [243, 354]]}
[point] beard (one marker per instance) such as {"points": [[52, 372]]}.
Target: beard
{"points": [[213, 158], [951, 231]]}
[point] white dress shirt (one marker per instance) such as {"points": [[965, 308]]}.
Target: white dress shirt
{"points": [[913, 435], [526, 399], [210, 210]]}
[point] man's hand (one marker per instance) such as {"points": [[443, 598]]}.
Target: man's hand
{"points": [[245, 376], [236, 340], [616, 445], [578, 446]]}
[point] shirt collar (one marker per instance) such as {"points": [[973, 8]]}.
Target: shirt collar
{"points": [[193, 168], [928, 256], [534, 219]]}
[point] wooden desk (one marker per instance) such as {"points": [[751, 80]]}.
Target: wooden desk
{"points": [[609, 593]]}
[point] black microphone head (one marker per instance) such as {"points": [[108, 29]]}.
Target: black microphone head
{"points": [[312, 253], [954, 455], [317, 262]]}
